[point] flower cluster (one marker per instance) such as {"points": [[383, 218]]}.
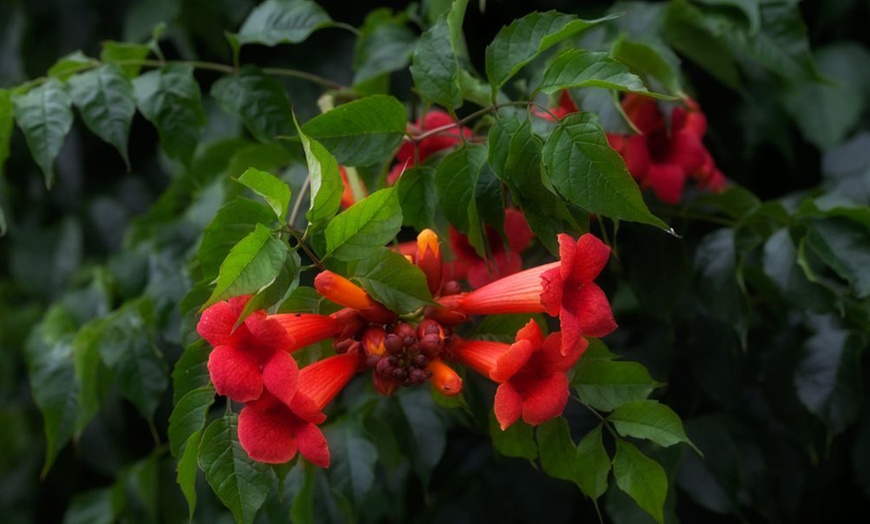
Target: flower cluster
{"points": [[413, 153], [252, 361]]}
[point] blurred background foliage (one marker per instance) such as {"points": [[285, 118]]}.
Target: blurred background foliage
{"points": [[757, 319]]}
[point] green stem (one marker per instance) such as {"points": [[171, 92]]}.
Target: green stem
{"points": [[298, 204]]}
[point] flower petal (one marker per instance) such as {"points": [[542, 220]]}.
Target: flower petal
{"points": [[307, 409], [591, 257], [312, 444], [508, 405], [545, 399], [667, 181], [217, 321], [593, 313], [512, 361], [235, 374], [280, 376], [267, 435]]}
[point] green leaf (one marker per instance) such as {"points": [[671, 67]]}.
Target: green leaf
{"points": [[456, 182], [594, 464], [128, 348], [515, 157], [435, 65], [283, 21], [384, 45], [6, 121], [188, 417], [45, 117], [828, 375], [186, 471], [241, 483], [647, 419], [426, 438], [520, 42], [686, 30], [278, 291], [588, 173], [352, 461], [363, 132], [191, 370], [364, 227], [649, 61], [122, 53], [641, 478], [607, 384], [234, 221], [326, 184], [518, 440], [169, 98], [105, 99], [580, 68], [96, 506], [827, 111], [393, 281], [70, 64], [749, 8], [274, 191], [302, 507], [89, 370], [52, 378], [252, 265], [418, 198], [845, 247], [259, 100], [557, 450]]}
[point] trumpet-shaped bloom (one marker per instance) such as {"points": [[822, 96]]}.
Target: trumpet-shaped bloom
{"points": [[531, 373], [342, 291], [271, 431], [564, 289], [250, 358]]}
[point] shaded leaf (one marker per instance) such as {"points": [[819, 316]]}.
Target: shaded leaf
{"points": [[188, 417], [435, 64], [241, 483], [518, 440], [588, 173], [6, 121], [274, 191], [122, 53], [594, 464], [105, 99], [233, 222], [608, 384], [283, 21], [384, 45], [191, 371], [325, 179], [259, 100], [557, 451], [364, 227], [647, 419], [520, 42], [353, 458], [45, 117], [169, 98], [393, 281], [251, 265], [96, 506], [362, 132], [69, 65], [641, 478], [649, 61], [843, 245], [580, 68], [186, 469], [417, 196]]}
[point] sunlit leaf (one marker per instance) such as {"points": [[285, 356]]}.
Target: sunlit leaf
{"points": [[364, 227]]}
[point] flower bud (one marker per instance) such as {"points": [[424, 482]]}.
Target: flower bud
{"points": [[428, 259], [445, 380]]}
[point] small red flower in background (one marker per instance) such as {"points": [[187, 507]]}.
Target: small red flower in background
{"points": [[531, 373], [347, 197], [566, 107], [446, 139], [271, 431], [504, 260], [664, 157]]}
